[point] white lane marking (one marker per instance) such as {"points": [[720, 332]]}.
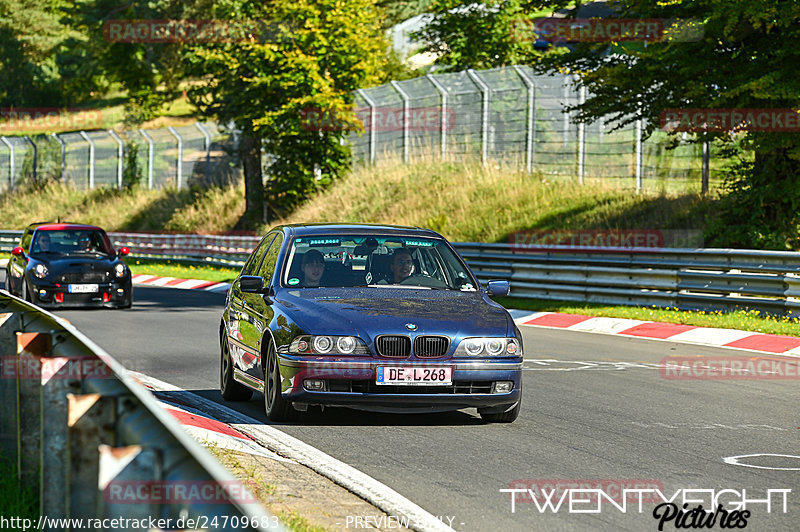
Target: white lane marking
{"points": [[716, 337], [142, 278], [345, 475], [580, 365], [734, 460], [606, 325], [706, 426]]}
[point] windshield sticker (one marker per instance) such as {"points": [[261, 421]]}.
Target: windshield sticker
{"points": [[293, 281], [418, 243]]}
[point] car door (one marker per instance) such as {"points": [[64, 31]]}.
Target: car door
{"points": [[257, 307], [240, 338]]}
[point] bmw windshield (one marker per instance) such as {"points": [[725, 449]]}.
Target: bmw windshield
{"points": [[375, 261]]}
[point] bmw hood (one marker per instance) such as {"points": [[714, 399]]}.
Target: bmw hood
{"points": [[368, 312]]}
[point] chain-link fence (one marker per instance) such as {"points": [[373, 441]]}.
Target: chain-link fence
{"points": [[512, 115], [175, 156], [508, 114]]}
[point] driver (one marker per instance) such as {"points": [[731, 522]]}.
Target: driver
{"points": [[313, 268], [43, 242], [402, 266]]}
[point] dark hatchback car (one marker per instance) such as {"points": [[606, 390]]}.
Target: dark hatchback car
{"points": [[378, 318], [69, 265]]}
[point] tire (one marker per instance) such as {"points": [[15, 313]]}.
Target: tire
{"points": [[228, 387], [504, 417], [26, 293], [277, 408]]}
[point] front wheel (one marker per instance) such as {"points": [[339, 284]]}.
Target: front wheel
{"points": [[228, 387], [26, 293], [277, 408]]}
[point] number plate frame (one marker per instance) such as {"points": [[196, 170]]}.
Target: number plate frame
{"points": [[413, 375], [83, 288]]}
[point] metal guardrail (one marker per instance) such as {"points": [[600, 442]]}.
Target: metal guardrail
{"points": [[698, 279], [98, 444]]}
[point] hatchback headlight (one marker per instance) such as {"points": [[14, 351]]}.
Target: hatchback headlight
{"points": [[40, 271], [119, 269], [328, 345], [492, 347]]}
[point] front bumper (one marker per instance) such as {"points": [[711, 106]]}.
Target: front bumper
{"points": [[114, 294], [352, 382]]}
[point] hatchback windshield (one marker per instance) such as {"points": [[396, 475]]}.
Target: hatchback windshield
{"points": [[70, 241], [375, 261]]}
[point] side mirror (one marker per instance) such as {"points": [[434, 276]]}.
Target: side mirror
{"points": [[18, 252], [124, 251], [497, 288], [251, 284]]}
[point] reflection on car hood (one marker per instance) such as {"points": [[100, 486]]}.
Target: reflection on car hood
{"points": [[367, 312], [74, 262]]}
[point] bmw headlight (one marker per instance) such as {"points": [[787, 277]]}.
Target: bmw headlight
{"points": [[328, 345], [492, 347], [40, 271], [119, 269]]}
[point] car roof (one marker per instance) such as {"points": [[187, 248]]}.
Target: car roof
{"points": [[362, 229], [56, 226]]}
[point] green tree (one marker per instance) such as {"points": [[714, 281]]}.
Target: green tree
{"points": [[744, 56], [308, 58]]}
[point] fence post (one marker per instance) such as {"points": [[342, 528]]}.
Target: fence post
{"points": [[35, 154], [91, 158], [63, 154], [530, 130], [564, 112], [484, 114], [638, 161], [11, 161], [443, 112], [207, 145], [406, 118], [706, 167], [119, 156], [371, 104], [150, 156], [179, 173], [581, 138]]}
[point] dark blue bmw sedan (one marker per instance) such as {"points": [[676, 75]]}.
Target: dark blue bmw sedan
{"points": [[373, 317]]}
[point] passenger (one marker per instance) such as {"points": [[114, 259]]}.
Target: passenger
{"points": [[313, 268]]}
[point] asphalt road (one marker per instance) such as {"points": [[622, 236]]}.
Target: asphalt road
{"points": [[595, 408]]}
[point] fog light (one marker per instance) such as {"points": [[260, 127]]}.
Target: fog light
{"points": [[314, 385], [42, 294], [502, 386], [120, 292]]}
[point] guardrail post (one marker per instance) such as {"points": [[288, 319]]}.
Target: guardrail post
{"points": [[581, 138], [638, 155], [63, 154], [91, 418], [406, 119], [371, 103], [150, 157], [443, 112], [30, 347], [120, 153], [179, 173], [207, 145], [484, 114], [530, 130], [9, 412], [125, 466], [88, 139], [706, 167], [35, 155], [12, 158]]}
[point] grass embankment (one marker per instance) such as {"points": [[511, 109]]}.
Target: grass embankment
{"points": [[465, 202], [16, 499]]}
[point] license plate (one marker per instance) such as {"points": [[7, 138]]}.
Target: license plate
{"points": [[83, 289], [409, 375]]}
